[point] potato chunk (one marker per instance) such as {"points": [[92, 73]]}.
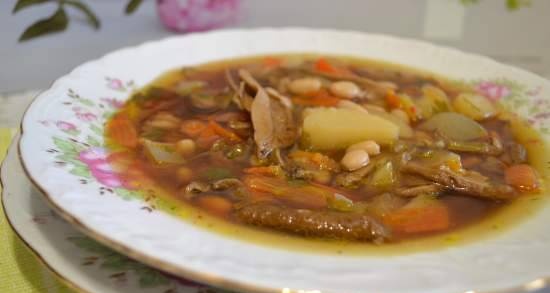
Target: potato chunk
{"points": [[330, 128]]}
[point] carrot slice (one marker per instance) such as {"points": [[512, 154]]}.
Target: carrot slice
{"points": [[122, 131], [217, 205], [321, 98], [207, 138], [270, 61], [274, 171], [192, 128], [324, 66], [523, 177], [393, 100], [219, 130], [431, 217], [303, 196]]}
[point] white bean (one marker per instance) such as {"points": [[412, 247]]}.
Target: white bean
{"points": [[352, 106], [355, 159], [402, 115], [345, 89], [165, 121], [369, 146], [304, 85], [185, 147]]}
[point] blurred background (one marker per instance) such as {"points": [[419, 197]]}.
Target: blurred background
{"points": [[488, 27]]}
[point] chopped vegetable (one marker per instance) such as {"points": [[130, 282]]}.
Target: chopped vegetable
{"points": [[192, 128], [339, 128], [405, 131], [340, 203], [438, 158], [304, 194], [384, 204], [122, 131], [474, 106], [423, 214], [384, 175], [207, 137], [275, 171], [270, 61], [473, 147], [217, 205], [523, 177], [225, 133], [405, 103], [314, 159], [188, 86], [321, 98], [455, 126], [324, 66], [162, 153], [433, 101]]}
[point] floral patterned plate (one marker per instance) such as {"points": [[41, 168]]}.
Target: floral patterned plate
{"points": [[62, 151], [82, 262]]}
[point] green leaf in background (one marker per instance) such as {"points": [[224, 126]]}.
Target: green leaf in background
{"points": [[55, 23], [92, 19], [132, 6], [26, 3], [517, 4]]}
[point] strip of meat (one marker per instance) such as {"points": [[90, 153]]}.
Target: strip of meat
{"points": [[477, 186], [419, 190], [350, 226]]}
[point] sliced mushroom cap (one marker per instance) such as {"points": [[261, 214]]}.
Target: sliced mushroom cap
{"points": [[263, 124], [272, 117], [228, 183]]}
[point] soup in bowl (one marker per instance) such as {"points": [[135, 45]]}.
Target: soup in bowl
{"points": [[326, 147]]}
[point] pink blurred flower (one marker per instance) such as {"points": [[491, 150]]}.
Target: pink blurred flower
{"points": [[493, 91], [115, 84], [88, 117], [93, 155], [65, 126], [97, 162], [113, 103], [197, 15]]}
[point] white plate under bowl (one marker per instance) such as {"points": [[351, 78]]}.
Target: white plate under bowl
{"points": [[84, 264], [61, 150]]}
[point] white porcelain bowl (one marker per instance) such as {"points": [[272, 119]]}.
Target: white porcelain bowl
{"points": [[62, 151]]}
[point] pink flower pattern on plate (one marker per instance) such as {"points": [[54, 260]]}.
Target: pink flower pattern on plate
{"points": [[65, 126], [493, 91], [115, 84], [84, 116], [113, 103], [96, 159]]}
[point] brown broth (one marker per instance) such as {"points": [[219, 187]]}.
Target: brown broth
{"points": [[470, 218]]}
